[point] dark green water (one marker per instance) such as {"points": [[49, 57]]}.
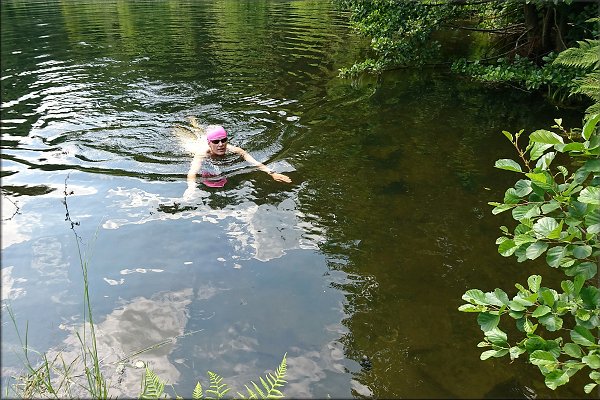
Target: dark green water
{"points": [[367, 252]]}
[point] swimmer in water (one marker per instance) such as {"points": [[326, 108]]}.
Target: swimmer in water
{"points": [[215, 146]]}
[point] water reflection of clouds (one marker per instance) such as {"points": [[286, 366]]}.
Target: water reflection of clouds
{"points": [[137, 325], [21, 227], [9, 291], [263, 232]]}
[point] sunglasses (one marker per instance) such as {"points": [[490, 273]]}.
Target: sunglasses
{"points": [[217, 141]]}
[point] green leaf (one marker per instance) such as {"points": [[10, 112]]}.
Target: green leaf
{"points": [[595, 228], [550, 206], [578, 282], [582, 336], [523, 238], [515, 306], [540, 311], [501, 208], [492, 353], [547, 296], [511, 196], [492, 299], [529, 327], [522, 187], [471, 308], [567, 286], [589, 387], [534, 282], [545, 161], [586, 269], [544, 136], [556, 378], [593, 361], [487, 321], [542, 357], [497, 337], [508, 135], [554, 255], [508, 164], [475, 296], [502, 296], [526, 211], [582, 251], [537, 150], [544, 227], [589, 126], [535, 250], [572, 350], [551, 322], [515, 352], [507, 248], [590, 195], [591, 297]]}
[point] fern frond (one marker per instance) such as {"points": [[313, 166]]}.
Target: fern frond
{"points": [[197, 393], [274, 382], [216, 387], [152, 386], [593, 109], [587, 54], [589, 85]]}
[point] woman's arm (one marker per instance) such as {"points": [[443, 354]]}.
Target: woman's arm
{"points": [[276, 176]]}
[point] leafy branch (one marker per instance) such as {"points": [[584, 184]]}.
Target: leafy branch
{"points": [[558, 215]]}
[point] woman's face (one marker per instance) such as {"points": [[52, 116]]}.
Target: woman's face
{"points": [[218, 146]]}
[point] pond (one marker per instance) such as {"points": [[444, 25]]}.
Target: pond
{"points": [[366, 254]]}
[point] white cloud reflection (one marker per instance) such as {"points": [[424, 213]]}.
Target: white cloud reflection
{"points": [[142, 323], [263, 232]]}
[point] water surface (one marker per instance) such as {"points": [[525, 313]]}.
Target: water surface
{"points": [[366, 253]]}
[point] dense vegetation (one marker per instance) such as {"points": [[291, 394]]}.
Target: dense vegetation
{"points": [[517, 41]]}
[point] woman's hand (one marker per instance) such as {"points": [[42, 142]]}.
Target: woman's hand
{"points": [[280, 177]]}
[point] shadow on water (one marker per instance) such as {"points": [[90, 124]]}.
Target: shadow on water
{"points": [[355, 270]]}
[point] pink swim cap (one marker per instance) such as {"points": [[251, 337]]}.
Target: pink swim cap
{"points": [[215, 132]]}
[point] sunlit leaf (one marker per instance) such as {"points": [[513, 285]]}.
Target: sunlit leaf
{"points": [[589, 126], [545, 161], [540, 311], [554, 255], [497, 337], [537, 150], [593, 361], [541, 357], [551, 322], [507, 248], [522, 187], [544, 136], [508, 164], [535, 250], [534, 282], [544, 226], [556, 378], [590, 195], [526, 211], [475, 296]]}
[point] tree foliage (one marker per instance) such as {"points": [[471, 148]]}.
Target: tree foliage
{"points": [[558, 217], [404, 33]]}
